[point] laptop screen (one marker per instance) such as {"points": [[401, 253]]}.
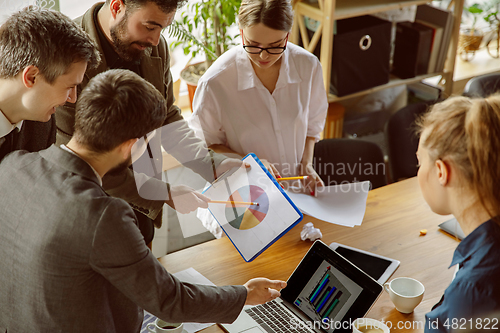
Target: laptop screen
{"points": [[329, 290]]}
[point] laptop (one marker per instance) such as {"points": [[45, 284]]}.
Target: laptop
{"points": [[324, 294]]}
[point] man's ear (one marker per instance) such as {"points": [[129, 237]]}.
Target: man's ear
{"points": [[29, 75], [116, 7], [443, 172], [126, 147]]}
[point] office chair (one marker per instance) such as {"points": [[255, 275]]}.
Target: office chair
{"points": [[482, 86], [339, 161], [402, 142]]}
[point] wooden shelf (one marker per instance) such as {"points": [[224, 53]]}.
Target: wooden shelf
{"points": [[349, 8], [328, 11], [393, 82]]}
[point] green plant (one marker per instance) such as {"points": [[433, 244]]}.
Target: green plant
{"points": [[491, 13], [210, 18], [475, 12]]}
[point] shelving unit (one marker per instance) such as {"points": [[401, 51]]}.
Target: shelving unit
{"points": [[328, 11]]}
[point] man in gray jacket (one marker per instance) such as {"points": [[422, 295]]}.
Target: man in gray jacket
{"points": [[72, 258]]}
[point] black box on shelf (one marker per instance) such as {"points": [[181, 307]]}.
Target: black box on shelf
{"points": [[360, 55], [412, 50]]}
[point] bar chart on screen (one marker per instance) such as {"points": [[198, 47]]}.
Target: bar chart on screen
{"points": [[327, 296]]}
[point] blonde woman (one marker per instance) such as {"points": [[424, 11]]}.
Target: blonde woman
{"points": [[459, 157], [265, 96]]}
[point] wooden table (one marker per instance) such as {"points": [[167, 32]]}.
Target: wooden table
{"points": [[394, 216]]}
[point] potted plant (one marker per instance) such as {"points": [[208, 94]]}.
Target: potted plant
{"points": [[211, 19], [492, 17], [470, 35]]}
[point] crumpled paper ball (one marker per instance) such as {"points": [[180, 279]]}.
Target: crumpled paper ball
{"points": [[310, 232]]}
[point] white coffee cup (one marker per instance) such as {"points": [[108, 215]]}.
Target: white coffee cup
{"points": [[161, 326], [406, 293], [369, 325]]}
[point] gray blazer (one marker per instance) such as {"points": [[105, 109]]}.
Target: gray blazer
{"points": [[73, 260]]}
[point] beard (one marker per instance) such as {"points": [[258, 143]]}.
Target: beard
{"points": [[120, 167], [122, 43]]}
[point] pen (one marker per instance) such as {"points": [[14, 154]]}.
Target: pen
{"points": [[292, 178], [235, 202]]}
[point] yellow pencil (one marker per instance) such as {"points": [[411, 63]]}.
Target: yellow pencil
{"points": [[292, 178], [235, 202]]}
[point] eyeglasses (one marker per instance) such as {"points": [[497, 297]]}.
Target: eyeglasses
{"points": [[258, 50]]}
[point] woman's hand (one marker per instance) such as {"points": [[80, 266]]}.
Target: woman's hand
{"points": [[313, 179], [272, 170]]}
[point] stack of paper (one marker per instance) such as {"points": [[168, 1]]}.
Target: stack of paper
{"points": [[341, 204]]}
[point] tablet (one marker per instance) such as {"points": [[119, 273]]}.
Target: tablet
{"points": [[453, 228], [378, 267]]}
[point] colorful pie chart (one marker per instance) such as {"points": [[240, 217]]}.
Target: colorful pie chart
{"points": [[246, 217]]}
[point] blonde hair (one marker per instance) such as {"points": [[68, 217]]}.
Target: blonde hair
{"points": [[274, 14], [466, 131]]}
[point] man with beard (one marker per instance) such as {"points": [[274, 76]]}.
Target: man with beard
{"points": [[128, 33], [72, 259]]}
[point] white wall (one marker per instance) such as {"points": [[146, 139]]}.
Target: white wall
{"points": [[75, 8], [7, 7], [72, 8]]}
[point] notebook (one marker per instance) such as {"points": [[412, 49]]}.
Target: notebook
{"points": [[325, 293]]}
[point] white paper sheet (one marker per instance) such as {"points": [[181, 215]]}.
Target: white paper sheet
{"points": [[341, 204]]}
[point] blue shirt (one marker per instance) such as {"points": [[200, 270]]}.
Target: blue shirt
{"points": [[474, 294]]}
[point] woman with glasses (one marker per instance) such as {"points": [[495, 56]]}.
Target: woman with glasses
{"points": [[266, 96]]}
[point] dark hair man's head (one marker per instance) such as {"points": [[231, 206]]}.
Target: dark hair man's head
{"points": [[166, 6], [137, 24], [45, 39], [116, 106]]}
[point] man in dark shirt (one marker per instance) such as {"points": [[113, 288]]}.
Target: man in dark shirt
{"points": [[43, 57], [73, 260]]}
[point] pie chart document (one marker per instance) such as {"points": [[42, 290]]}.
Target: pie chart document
{"points": [[258, 211]]}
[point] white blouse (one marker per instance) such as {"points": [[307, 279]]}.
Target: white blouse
{"points": [[233, 108]]}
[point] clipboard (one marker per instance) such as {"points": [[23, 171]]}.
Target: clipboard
{"points": [[252, 228]]}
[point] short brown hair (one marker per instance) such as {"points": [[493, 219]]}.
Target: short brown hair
{"points": [[274, 14], [166, 6], [466, 131], [46, 39], [116, 106]]}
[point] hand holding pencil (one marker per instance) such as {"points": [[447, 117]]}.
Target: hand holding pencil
{"points": [[310, 182], [271, 168], [292, 178], [313, 180]]}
